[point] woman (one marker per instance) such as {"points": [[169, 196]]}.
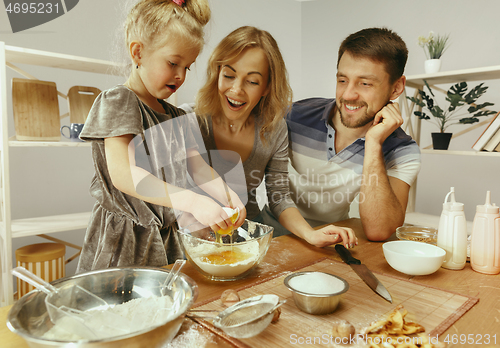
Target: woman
{"points": [[241, 111]]}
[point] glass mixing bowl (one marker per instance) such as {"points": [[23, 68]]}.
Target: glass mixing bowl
{"points": [[417, 233], [234, 258]]}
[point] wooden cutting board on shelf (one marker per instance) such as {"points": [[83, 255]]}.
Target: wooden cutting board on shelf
{"points": [[36, 110], [80, 100]]}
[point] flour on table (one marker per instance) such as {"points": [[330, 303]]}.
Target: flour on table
{"points": [[190, 338]]}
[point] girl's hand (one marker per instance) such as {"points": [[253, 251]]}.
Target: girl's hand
{"points": [[331, 234], [237, 203], [210, 213]]}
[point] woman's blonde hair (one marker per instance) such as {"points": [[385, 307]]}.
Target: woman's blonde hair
{"points": [[152, 22], [274, 105]]}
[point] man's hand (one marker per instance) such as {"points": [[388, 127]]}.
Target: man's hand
{"points": [[386, 121]]}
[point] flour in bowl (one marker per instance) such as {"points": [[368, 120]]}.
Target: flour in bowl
{"points": [[132, 316], [317, 283]]}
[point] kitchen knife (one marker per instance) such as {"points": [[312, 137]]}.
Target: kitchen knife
{"points": [[363, 272]]}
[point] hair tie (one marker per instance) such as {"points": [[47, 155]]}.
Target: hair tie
{"points": [[179, 2]]}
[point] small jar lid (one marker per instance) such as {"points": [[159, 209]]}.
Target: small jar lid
{"points": [[40, 252]]}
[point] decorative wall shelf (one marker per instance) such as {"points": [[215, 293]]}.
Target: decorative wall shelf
{"points": [[412, 125], [9, 57]]}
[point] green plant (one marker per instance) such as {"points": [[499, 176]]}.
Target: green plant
{"points": [[434, 46], [459, 98]]}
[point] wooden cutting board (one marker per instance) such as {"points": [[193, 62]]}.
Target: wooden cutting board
{"points": [[435, 309], [36, 110], [80, 100]]}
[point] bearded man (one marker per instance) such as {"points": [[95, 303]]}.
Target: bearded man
{"points": [[353, 145]]}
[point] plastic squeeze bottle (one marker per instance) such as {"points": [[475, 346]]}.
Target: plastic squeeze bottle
{"points": [[452, 233], [485, 242]]}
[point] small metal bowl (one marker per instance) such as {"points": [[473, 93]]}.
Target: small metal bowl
{"points": [[417, 233], [321, 300]]}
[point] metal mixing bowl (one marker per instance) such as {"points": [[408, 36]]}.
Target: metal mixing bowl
{"points": [[321, 302], [219, 261], [29, 319]]}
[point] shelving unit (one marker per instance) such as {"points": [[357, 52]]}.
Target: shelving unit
{"points": [[9, 56], [412, 125]]}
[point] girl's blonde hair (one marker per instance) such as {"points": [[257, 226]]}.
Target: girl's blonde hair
{"points": [[152, 22], [274, 105]]}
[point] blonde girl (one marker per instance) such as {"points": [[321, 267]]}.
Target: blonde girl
{"points": [[143, 147]]}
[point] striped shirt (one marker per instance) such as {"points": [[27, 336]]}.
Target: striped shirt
{"points": [[324, 183]]}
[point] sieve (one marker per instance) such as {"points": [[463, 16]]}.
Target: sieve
{"points": [[249, 317]]}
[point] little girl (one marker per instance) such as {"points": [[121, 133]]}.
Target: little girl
{"points": [[143, 147], [241, 108]]}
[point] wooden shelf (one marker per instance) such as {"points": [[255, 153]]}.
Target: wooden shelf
{"points": [[17, 143], [49, 224], [462, 153], [57, 60], [11, 57], [413, 125], [476, 74]]}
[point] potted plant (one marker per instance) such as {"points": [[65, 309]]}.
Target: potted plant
{"points": [[434, 47], [459, 98]]}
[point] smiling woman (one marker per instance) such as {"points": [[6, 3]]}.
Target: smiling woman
{"points": [[241, 111], [242, 83]]}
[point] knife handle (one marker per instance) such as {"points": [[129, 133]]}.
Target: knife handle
{"points": [[346, 255]]}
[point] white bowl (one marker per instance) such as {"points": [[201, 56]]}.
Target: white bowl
{"points": [[413, 258]]}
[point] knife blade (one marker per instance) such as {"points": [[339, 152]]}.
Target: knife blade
{"points": [[363, 272]]}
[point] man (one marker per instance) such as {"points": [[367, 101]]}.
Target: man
{"points": [[353, 144]]}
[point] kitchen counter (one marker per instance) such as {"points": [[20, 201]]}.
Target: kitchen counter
{"points": [[289, 252]]}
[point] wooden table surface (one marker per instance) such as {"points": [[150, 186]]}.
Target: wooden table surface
{"points": [[289, 252]]}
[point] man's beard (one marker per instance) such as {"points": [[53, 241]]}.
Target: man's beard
{"points": [[359, 121]]}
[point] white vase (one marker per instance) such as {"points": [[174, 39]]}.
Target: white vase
{"points": [[432, 66]]}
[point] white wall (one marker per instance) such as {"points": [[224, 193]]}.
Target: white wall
{"points": [[281, 18], [309, 34]]}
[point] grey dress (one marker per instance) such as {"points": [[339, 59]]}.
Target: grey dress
{"points": [[124, 230]]}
